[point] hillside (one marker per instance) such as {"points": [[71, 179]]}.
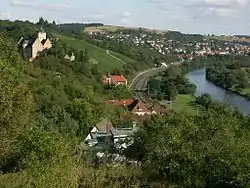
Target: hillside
{"points": [[113, 28], [230, 38], [98, 55], [105, 61]]}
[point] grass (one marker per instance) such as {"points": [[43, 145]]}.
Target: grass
{"points": [[97, 55], [186, 104], [112, 28], [247, 90], [229, 38], [103, 28]]}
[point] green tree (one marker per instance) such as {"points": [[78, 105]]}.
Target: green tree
{"points": [[82, 112], [170, 91], [48, 160], [198, 151], [204, 100], [15, 102], [41, 21], [86, 56]]}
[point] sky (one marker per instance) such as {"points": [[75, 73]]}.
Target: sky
{"points": [[188, 16]]}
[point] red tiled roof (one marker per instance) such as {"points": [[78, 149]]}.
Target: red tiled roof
{"points": [[127, 102], [117, 78]]}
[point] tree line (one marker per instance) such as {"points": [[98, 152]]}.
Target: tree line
{"points": [[171, 83], [233, 75], [209, 150]]}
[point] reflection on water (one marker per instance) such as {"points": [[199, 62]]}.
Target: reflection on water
{"points": [[203, 86]]}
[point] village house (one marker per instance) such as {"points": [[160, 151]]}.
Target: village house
{"points": [[114, 80], [31, 48], [137, 107], [104, 135]]}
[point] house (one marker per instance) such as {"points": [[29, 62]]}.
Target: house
{"points": [[125, 103], [104, 126], [104, 136], [114, 80], [137, 107], [31, 48]]}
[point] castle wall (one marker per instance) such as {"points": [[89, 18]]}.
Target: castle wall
{"points": [[36, 47]]}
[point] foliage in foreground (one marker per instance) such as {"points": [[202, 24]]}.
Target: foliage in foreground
{"points": [[195, 151]]}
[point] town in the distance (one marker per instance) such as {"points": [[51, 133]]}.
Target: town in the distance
{"points": [[95, 105]]}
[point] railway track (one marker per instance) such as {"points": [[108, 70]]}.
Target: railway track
{"points": [[139, 84]]}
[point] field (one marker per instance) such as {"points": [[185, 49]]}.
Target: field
{"points": [[186, 104], [229, 38], [104, 28], [97, 55], [112, 28]]}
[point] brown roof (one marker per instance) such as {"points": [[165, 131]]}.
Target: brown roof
{"points": [[138, 106], [126, 102], [104, 125]]}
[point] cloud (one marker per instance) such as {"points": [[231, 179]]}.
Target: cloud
{"points": [[220, 4], [23, 3], [126, 14], [221, 8], [54, 6], [48, 6], [99, 16], [6, 16], [125, 20], [157, 1]]}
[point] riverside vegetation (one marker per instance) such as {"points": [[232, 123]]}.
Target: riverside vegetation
{"points": [[232, 75], [47, 107]]}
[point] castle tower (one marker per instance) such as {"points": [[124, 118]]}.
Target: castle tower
{"points": [[42, 34]]}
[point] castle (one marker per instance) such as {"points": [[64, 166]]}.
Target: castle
{"points": [[31, 48]]}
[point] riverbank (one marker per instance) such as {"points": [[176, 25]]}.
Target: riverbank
{"points": [[218, 93], [233, 90]]}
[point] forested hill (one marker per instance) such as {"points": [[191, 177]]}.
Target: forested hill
{"points": [[47, 107]]}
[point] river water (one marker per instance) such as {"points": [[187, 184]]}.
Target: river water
{"points": [[203, 86]]}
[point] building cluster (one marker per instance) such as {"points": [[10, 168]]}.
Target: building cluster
{"points": [[31, 48], [105, 136], [114, 80], [185, 49], [138, 107]]}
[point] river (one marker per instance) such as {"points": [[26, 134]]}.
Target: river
{"points": [[203, 86]]}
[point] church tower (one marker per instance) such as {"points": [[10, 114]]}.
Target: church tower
{"points": [[42, 34]]}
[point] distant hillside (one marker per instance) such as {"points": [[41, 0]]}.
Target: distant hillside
{"points": [[104, 28], [112, 28], [69, 28], [235, 38]]}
